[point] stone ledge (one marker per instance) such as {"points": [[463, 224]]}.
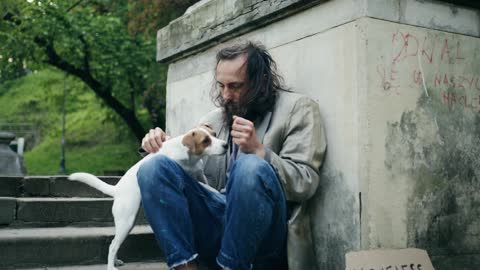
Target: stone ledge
{"points": [[212, 22], [215, 21]]}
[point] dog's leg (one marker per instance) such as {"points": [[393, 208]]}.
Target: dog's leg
{"points": [[204, 179], [124, 217], [198, 174]]}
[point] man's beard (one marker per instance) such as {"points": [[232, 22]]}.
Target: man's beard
{"points": [[231, 108]]}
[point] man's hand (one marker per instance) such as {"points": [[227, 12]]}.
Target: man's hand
{"points": [[243, 134], [153, 140]]}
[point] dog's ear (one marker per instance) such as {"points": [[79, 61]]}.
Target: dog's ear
{"points": [[209, 129], [189, 141]]}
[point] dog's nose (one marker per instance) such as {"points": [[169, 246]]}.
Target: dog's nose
{"points": [[225, 146]]}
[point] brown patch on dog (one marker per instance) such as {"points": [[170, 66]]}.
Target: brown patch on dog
{"points": [[196, 141]]}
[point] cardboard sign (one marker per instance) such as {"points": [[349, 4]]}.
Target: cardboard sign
{"points": [[389, 259]]}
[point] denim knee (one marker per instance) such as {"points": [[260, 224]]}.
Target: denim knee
{"points": [[255, 222], [251, 173]]}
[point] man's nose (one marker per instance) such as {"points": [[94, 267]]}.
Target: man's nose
{"points": [[227, 94]]}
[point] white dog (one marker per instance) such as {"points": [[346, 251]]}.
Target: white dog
{"points": [[187, 150]]}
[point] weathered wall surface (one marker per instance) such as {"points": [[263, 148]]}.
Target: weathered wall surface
{"points": [[423, 110], [401, 106]]}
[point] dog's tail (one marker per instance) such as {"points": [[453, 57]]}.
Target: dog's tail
{"points": [[94, 182]]}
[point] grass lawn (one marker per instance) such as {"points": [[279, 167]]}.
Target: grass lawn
{"points": [[97, 141]]}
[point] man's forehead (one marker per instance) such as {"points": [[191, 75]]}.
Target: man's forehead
{"points": [[235, 65]]}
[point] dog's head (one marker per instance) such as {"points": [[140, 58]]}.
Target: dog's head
{"points": [[201, 141]]}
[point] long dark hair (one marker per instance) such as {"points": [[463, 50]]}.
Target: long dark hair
{"points": [[263, 81]]}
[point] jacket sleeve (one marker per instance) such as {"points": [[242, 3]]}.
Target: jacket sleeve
{"points": [[300, 158]]}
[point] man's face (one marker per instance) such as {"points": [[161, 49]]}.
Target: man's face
{"points": [[231, 76]]}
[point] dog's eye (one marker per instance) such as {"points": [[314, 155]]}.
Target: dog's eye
{"points": [[206, 140]]}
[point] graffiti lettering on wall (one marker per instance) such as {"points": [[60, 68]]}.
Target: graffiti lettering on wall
{"points": [[434, 51], [439, 64], [467, 102], [444, 80]]}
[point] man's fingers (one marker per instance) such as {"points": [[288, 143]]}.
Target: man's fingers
{"points": [[242, 131], [241, 121], [242, 125], [160, 134], [146, 145], [153, 140], [237, 134], [242, 128], [159, 137], [239, 141]]}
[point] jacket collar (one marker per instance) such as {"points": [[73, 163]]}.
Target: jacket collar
{"points": [[262, 125]]}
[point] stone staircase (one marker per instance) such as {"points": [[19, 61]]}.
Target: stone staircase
{"points": [[53, 223]]}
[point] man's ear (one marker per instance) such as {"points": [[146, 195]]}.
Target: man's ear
{"points": [[189, 142]]}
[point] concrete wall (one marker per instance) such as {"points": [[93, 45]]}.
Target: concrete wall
{"points": [[423, 110], [402, 168]]}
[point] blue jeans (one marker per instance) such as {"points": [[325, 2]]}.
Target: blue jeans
{"points": [[243, 228]]}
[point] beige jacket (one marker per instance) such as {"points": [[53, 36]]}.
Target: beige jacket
{"points": [[295, 145]]}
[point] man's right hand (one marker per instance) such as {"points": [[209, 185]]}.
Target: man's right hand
{"points": [[153, 140]]}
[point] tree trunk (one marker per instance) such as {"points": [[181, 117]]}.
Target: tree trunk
{"points": [[102, 91]]}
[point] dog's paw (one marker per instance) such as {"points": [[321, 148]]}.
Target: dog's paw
{"points": [[119, 262]]}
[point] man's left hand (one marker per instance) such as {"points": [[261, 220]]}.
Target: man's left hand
{"points": [[243, 135]]}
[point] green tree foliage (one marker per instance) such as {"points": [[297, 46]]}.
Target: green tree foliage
{"points": [[106, 44], [145, 17]]}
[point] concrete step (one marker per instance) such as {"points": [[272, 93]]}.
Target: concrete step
{"points": [[55, 212], [49, 186], [10, 185], [50, 247], [127, 266]]}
